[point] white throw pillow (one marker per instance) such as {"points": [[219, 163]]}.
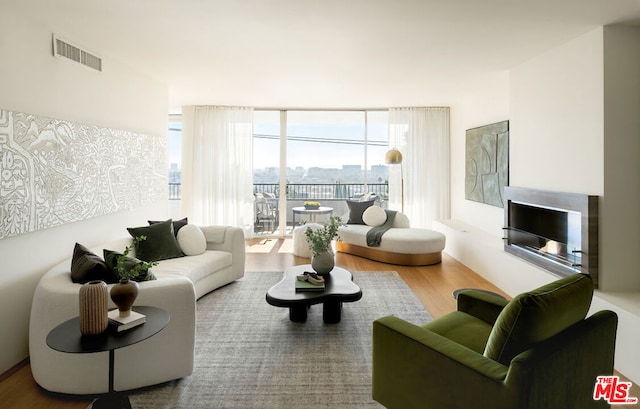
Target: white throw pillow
{"points": [[191, 240], [401, 220], [374, 216]]}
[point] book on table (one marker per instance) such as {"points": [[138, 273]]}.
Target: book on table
{"points": [[124, 323], [303, 286]]}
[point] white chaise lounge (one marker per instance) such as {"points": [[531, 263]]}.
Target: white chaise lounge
{"points": [[401, 244]]}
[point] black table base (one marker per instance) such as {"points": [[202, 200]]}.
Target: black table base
{"points": [[339, 288], [113, 400]]}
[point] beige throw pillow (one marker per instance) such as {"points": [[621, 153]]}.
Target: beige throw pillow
{"points": [[191, 240], [374, 216]]}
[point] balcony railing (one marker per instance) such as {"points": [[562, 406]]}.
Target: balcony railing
{"points": [[308, 191], [323, 191], [175, 191]]}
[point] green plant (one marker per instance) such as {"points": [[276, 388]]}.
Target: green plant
{"points": [[125, 270], [320, 239]]}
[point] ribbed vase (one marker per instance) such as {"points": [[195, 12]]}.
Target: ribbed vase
{"points": [[94, 307]]}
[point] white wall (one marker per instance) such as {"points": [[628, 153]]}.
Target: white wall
{"points": [[574, 127], [554, 107], [481, 106], [33, 81], [620, 217], [557, 119]]}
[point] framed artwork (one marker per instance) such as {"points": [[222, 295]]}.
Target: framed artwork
{"points": [[54, 171], [487, 163]]}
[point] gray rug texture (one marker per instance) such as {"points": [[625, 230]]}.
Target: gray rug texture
{"points": [[249, 355]]}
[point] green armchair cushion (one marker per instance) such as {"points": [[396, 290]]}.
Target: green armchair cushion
{"points": [[538, 315], [463, 329], [481, 304]]}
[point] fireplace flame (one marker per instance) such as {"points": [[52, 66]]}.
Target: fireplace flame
{"points": [[551, 247]]}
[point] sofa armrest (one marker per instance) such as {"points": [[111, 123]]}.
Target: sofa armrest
{"points": [[416, 368], [481, 305], [229, 239], [171, 355]]}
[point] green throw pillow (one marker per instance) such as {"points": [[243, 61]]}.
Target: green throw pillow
{"points": [[111, 260], [87, 266], [160, 243], [538, 315], [177, 224]]}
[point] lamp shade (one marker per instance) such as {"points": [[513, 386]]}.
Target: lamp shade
{"points": [[393, 156]]}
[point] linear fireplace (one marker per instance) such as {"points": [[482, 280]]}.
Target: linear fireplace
{"points": [[556, 231]]}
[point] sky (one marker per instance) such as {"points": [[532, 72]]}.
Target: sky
{"points": [[327, 139]]}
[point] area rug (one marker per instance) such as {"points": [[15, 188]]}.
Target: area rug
{"points": [[249, 355]]}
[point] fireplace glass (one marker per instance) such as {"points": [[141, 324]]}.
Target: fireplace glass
{"points": [[551, 233], [554, 230]]}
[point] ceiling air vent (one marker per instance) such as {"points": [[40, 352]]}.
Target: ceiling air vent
{"points": [[63, 48]]}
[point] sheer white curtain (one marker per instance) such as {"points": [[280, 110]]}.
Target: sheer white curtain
{"points": [[422, 136], [217, 166]]}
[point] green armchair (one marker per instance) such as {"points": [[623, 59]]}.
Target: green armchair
{"points": [[536, 351]]}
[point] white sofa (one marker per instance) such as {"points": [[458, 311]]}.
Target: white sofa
{"points": [[167, 355]]}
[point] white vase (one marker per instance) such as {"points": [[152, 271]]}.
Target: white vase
{"points": [[323, 263]]}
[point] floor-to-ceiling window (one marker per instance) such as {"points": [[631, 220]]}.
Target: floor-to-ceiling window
{"points": [[266, 171], [328, 156], [174, 149]]}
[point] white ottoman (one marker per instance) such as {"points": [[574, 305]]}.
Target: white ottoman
{"points": [[300, 245]]}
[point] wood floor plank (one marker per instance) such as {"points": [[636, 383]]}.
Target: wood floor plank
{"points": [[433, 286]]}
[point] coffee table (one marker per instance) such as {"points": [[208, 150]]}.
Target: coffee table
{"points": [[66, 337], [339, 288]]}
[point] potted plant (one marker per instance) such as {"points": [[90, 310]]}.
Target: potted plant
{"points": [[125, 292], [319, 241], [312, 205]]}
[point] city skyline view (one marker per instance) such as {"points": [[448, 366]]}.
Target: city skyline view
{"points": [[321, 146]]}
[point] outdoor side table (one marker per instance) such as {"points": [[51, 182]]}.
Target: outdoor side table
{"points": [[311, 212]]}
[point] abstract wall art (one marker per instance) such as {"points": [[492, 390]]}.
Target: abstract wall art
{"points": [[487, 163], [54, 172]]}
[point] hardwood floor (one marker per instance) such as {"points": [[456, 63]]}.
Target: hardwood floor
{"points": [[433, 286]]}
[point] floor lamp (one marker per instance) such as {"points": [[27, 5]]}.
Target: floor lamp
{"points": [[394, 157]]}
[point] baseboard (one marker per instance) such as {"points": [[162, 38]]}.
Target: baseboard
{"points": [[14, 369]]}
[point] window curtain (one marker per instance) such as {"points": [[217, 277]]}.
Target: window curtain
{"points": [[217, 166], [422, 136]]}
